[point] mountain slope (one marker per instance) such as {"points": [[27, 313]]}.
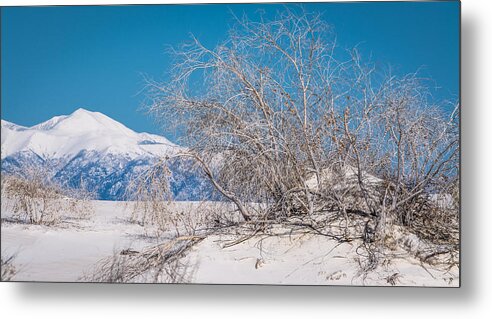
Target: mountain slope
{"points": [[90, 149], [67, 135]]}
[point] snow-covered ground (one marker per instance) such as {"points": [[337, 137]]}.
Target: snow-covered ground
{"points": [[70, 250], [61, 253], [305, 260]]}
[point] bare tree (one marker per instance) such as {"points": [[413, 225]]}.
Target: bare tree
{"points": [[278, 115], [257, 128]]}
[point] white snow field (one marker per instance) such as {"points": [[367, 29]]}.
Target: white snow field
{"points": [[70, 250]]}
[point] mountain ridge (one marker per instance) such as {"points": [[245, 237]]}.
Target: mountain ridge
{"points": [[67, 135], [89, 149]]}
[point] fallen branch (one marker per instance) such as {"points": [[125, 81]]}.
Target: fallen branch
{"points": [[130, 265]]}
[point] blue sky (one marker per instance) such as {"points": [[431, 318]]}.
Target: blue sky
{"points": [[57, 59]]}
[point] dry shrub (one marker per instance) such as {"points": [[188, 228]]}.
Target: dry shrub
{"points": [[194, 219], [276, 115], [160, 263], [8, 268], [437, 224], [153, 206], [151, 195], [35, 200]]}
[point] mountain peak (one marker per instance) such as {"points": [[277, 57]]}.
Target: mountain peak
{"points": [[67, 135], [82, 110], [81, 121]]}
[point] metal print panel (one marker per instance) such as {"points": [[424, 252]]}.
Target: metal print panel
{"points": [[280, 144]]}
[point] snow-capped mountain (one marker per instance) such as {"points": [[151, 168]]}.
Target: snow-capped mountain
{"points": [[92, 149], [67, 135]]}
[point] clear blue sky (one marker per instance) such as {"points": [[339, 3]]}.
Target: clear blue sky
{"points": [[57, 59]]}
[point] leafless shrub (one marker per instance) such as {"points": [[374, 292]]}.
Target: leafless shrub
{"points": [[8, 268], [35, 200], [160, 263], [151, 193], [153, 207], [199, 219], [281, 118]]}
